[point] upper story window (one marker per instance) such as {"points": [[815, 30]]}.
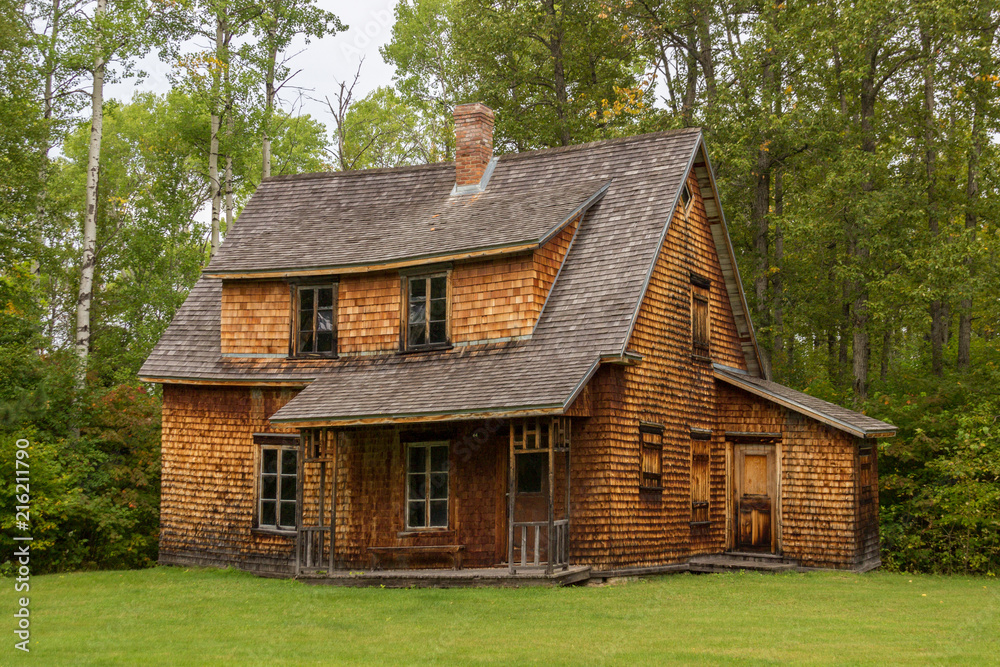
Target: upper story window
{"points": [[700, 318], [315, 320], [426, 311]]}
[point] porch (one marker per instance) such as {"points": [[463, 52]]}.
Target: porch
{"points": [[391, 505], [444, 578]]}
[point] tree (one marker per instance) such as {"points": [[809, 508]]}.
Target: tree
{"points": [[429, 78], [382, 130], [280, 22], [116, 34]]}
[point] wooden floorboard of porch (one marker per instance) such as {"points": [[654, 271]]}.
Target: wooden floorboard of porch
{"points": [[434, 578]]}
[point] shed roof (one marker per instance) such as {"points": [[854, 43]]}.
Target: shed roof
{"points": [[829, 413]]}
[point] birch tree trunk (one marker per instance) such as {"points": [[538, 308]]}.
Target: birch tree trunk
{"points": [[86, 296], [213, 148], [229, 171]]}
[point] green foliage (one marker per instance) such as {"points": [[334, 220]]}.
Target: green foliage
{"points": [[299, 146], [94, 496], [940, 478], [151, 187], [382, 130], [94, 501]]}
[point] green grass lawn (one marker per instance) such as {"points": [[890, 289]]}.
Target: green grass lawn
{"points": [[195, 616]]}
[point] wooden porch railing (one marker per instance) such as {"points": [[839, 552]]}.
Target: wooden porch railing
{"points": [[313, 546], [528, 534]]}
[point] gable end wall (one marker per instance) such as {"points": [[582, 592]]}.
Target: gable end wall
{"points": [[637, 528]]}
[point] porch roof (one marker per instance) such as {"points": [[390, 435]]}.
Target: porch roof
{"points": [[831, 414]]}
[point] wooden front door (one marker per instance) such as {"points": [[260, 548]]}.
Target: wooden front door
{"points": [[755, 498]]}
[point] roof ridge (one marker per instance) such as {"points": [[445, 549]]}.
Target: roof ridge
{"points": [[357, 172], [646, 136], [634, 138]]}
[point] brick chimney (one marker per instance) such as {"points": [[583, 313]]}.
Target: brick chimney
{"points": [[473, 142]]}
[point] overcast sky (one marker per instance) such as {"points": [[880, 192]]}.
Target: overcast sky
{"points": [[322, 62]]}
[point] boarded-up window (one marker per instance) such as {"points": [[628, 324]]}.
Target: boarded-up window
{"points": [[866, 473], [700, 459], [427, 470], [277, 487], [315, 320], [700, 317], [426, 311], [651, 474]]}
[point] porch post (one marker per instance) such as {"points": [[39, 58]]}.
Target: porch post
{"points": [[333, 499], [510, 501], [550, 548], [300, 483]]}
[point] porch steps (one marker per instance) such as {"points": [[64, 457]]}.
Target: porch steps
{"points": [[735, 561], [435, 578]]}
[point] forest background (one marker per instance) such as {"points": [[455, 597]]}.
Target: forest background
{"points": [[855, 144]]}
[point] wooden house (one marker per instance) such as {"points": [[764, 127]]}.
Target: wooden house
{"points": [[531, 364]]}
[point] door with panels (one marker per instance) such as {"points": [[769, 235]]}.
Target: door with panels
{"points": [[754, 503]]}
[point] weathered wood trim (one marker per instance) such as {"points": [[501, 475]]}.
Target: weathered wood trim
{"points": [[418, 418], [226, 383], [343, 269], [734, 288]]}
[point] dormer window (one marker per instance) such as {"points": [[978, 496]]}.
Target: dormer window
{"points": [[315, 320], [426, 311]]}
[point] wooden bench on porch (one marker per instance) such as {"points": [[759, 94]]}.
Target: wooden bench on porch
{"points": [[453, 550]]}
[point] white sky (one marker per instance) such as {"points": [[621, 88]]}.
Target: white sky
{"points": [[322, 63]]}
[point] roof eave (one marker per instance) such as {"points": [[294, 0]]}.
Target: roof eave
{"points": [[420, 417], [802, 409], [741, 304]]}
